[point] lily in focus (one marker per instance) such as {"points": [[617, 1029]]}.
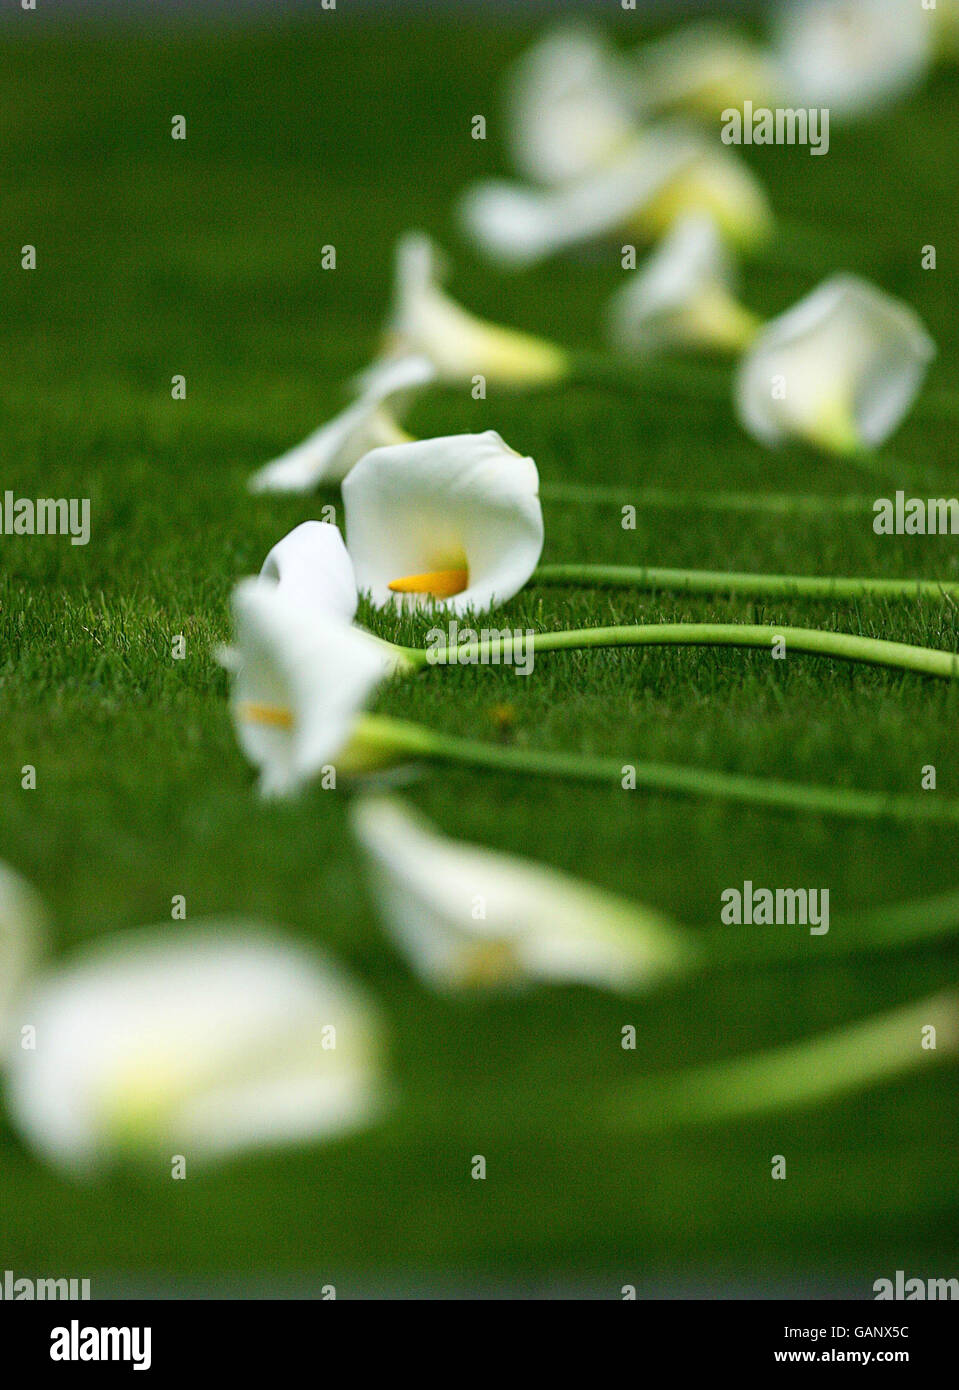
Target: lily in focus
{"points": [[839, 370], [154, 1045], [454, 521], [469, 917], [682, 297]]}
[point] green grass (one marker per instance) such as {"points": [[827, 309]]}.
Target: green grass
{"points": [[203, 258]]}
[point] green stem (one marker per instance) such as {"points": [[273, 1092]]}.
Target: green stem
{"points": [[395, 739], [872, 651], [810, 1072], [778, 503], [751, 585]]}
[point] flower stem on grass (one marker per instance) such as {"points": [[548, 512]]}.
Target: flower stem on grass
{"points": [[872, 651], [774, 503], [400, 738], [811, 1072], [751, 585]]}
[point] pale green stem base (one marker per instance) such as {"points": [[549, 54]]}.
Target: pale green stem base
{"points": [[806, 1073], [749, 585]]}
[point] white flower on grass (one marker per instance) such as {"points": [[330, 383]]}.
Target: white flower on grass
{"points": [[229, 1038], [329, 454], [300, 680], [425, 322], [682, 296], [22, 937], [840, 369], [456, 520], [313, 564], [853, 56], [466, 916], [662, 176], [704, 67], [566, 111]]}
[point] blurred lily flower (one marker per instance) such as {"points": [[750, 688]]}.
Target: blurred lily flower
{"points": [[682, 296], [703, 68], [313, 564], [425, 322], [664, 175], [455, 520], [466, 916], [853, 56], [566, 111], [22, 936], [840, 369], [329, 453], [153, 1045], [300, 679]]}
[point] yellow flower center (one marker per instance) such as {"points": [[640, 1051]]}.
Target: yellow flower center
{"points": [[488, 963], [275, 716], [437, 583]]}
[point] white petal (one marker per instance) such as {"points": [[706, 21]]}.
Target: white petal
{"points": [[464, 914], [847, 360], [426, 322], [463, 501], [313, 666], [853, 55], [567, 114], [681, 293], [331, 451], [198, 1044], [22, 939], [704, 67], [313, 563], [518, 225]]}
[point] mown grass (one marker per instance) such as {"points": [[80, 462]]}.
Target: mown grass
{"points": [[203, 258]]}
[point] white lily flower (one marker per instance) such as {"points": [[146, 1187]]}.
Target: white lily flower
{"points": [[704, 67], [300, 679], [840, 369], [313, 563], [455, 520], [663, 176], [682, 296], [853, 56], [425, 322], [566, 111], [225, 1039], [22, 935], [466, 916], [329, 453]]}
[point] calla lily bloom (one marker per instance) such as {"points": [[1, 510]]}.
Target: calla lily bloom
{"points": [[853, 56], [329, 454], [567, 113], [22, 934], [454, 520], [425, 322], [153, 1044], [840, 369], [704, 68], [682, 297], [466, 916], [313, 564], [300, 679], [663, 176]]}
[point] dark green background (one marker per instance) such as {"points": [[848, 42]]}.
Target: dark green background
{"points": [[202, 257]]}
